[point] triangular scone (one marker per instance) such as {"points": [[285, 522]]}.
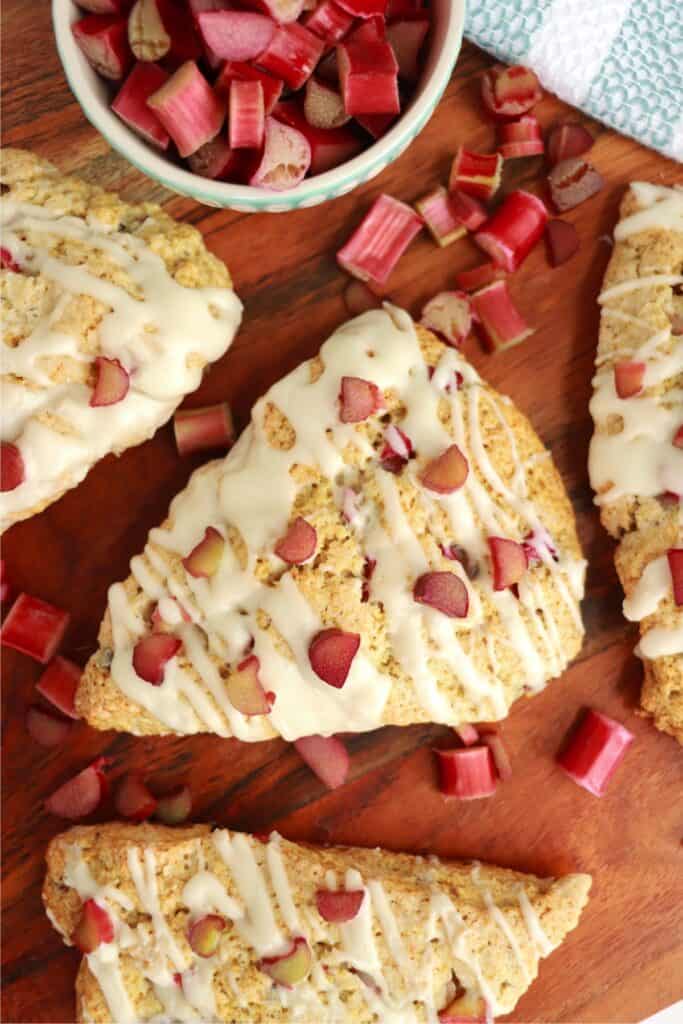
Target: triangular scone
{"points": [[421, 931], [636, 460], [376, 529], [84, 275]]}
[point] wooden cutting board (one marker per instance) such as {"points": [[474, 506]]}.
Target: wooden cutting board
{"points": [[624, 960]]}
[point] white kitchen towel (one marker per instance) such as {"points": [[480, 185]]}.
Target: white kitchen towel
{"points": [[619, 60]]}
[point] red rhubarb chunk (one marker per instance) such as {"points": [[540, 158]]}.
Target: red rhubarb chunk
{"points": [[285, 160], [478, 277], [216, 160], [94, 928], [34, 627], [376, 125], [112, 384], [468, 734], [174, 807], [447, 472], [675, 557], [476, 174], [594, 751], [245, 690], [358, 399], [298, 544], [468, 773], [513, 230], [291, 967], [568, 140], [133, 799], [204, 934], [59, 683], [572, 182], [331, 653], [508, 561], [196, 430], [520, 138], [563, 241], [292, 54], [246, 118], [510, 92], [188, 108], [236, 35], [234, 70], [406, 39], [12, 470], [47, 728], [497, 318], [5, 585], [436, 210], [339, 905], [364, 8], [468, 210], [397, 450], [80, 795], [449, 315], [106, 6], [501, 758], [151, 655], [103, 39], [368, 74], [443, 591], [329, 21], [7, 261], [380, 240], [678, 438], [329, 147], [629, 378], [327, 757], [130, 103]]}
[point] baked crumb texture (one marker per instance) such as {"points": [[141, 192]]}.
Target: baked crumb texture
{"points": [[85, 275], [426, 930], [377, 532], [636, 470]]}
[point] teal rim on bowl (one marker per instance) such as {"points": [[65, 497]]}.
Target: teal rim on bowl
{"points": [[93, 97]]}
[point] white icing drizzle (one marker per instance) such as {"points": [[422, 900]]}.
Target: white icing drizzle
{"points": [[380, 346], [533, 924], [144, 876], [153, 336], [502, 922]]}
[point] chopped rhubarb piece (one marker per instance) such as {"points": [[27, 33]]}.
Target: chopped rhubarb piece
{"points": [[285, 160], [47, 728], [444, 591], [594, 751], [329, 21], [359, 399], [675, 558], [468, 210], [327, 757], [205, 558], [204, 934], [538, 543], [292, 54], [364, 8], [130, 103], [520, 138], [181, 25], [678, 438], [151, 655], [59, 683], [103, 39], [195, 430], [563, 241], [5, 585], [568, 140], [468, 773], [572, 182], [236, 35], [437, 212], [508, 561], [246, 118], [112, 384], [501, 758], [34, 627], [174, 807], [94, 928], [407, 38], [133, 799], [468, 1008], [234, 70], [12, 471], [331, 653], [283, 11], [498, 320], [476, 174], [358, 298], [449, 315], [80, 795], [368, 74], [147, 33], [188, 108], [380, 240], [629, 378], [245, 690], [510, 92], [403, 9], [298, 544], [479, 277], [339, 905], [323, 105], [513, 230], [329, 147], [397, 450], [291, 967], [7, 261], [468, 734], [106, 6], [447, 472], [376, 125]]}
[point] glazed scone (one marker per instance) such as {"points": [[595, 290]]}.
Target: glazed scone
{"points": [[420, 933], [93, 287], [636, 456], [377, 534]]}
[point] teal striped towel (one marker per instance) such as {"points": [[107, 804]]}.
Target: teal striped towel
{"points": [[619, 60]]}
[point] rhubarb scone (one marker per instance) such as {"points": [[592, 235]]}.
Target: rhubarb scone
{"points": [[193, 925], [636, 455], [388, 543], [110, 312]]}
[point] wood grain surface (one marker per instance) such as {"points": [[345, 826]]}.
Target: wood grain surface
{"points": [[624, 960]]}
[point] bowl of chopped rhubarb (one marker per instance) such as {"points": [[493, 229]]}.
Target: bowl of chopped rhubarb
{"points": [[265, 106]]}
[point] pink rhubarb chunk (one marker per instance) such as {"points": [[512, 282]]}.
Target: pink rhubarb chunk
{"points": [[134, 800], [94, 928], [152, 654], [448, 314], [34, 627], [476, 174], [47, 728], [331, 653], [339, 905], [112, 382], [59, 683], [283, 11], [12, 469], [439, 215], [497, 318], [406, 39], [629, 378], [520, 138], [291, 967], [380, 240], [513, 230], [245, 690], [572, 182], [594, 751], [368, 74], [80, 795], [247, 115], [234, 70], [447, 472], [292, 54], [563, 241], [468, 773], [443, 591], [329, 146], [327, 757], [568, 140], [359, 399], [329, 21], [130, 103], [196, 430], [298, 544], [188, 108], [510, 92], [508, 560], [103, 39], [236, 35], [285, 160]]}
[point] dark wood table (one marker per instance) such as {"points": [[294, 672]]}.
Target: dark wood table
{"points": [[624, 960]]}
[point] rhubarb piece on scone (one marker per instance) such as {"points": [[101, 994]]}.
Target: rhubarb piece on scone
{"points": [[636, 460], [189, 924], [111, 312], [387, 543]]}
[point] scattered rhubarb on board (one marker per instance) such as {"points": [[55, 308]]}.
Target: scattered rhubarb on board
{"points": [[479, 277], [594, 751], [34, 627], [133, 799], [175, 806], [47, 728], [572, 182], [509, 92], [327, 757], [563, 241], [568, 140], [468, 210], [476, 174], [511, 233], [196, 430], [497, 318], [82, 794], [467, 773], [520, 138], [438, 213], [448, 315], [59, 683], [380, 240]]}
